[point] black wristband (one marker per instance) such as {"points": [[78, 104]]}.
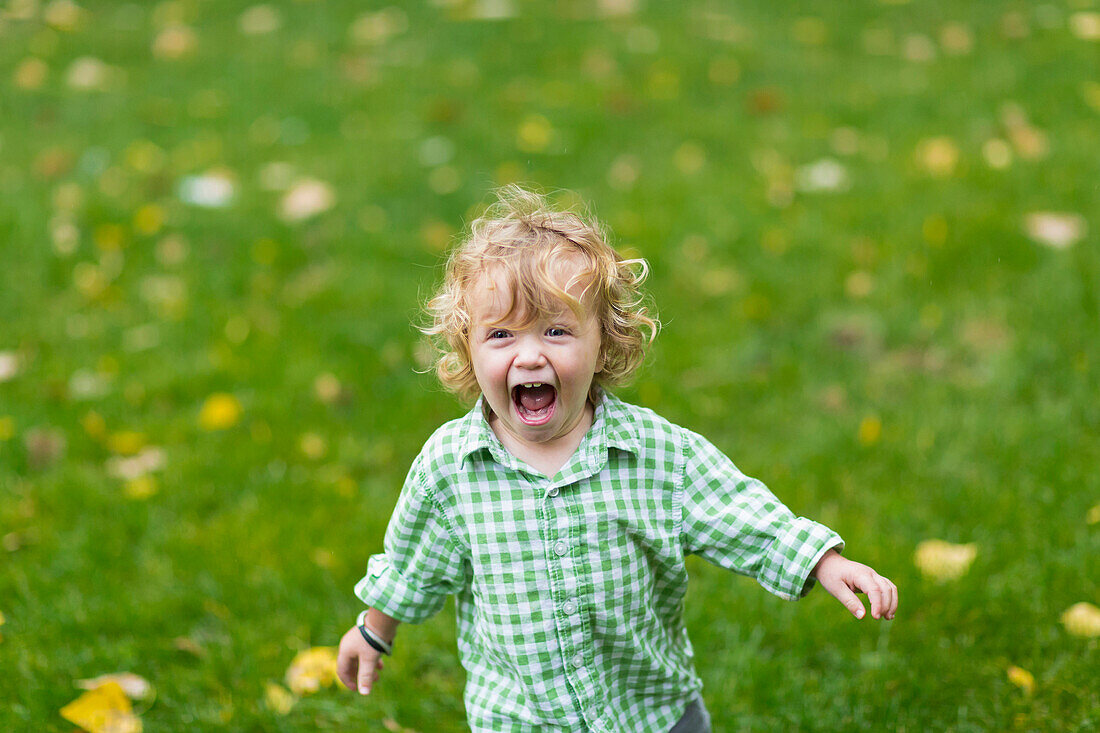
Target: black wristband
{"points": [[374, 644]]}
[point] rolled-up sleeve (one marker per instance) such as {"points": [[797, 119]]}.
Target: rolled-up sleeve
{"points": [[735, 522], [422, 563]]}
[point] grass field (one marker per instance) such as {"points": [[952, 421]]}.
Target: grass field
{"points": [[873, 231]]}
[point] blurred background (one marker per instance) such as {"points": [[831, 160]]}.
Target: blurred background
{"points": [[872, 228]]}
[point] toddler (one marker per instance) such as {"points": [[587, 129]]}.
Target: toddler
{"points": [[558, 515]]}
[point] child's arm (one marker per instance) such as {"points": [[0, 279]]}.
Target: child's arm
{"points": [[358, 663], [842, 578]]}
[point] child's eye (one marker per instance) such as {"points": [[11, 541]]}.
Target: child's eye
{"points": [[498, 333], [556, 331]]}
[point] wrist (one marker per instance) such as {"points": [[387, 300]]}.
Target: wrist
{"points": [[385, 627], [829, 557]]}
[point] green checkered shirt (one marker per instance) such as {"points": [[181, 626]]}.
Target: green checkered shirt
{"points": [[569, 589]]}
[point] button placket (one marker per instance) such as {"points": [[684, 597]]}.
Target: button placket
{"points": [[566, 515]]}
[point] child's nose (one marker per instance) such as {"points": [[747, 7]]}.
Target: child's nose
{"points": [[529, 355]]}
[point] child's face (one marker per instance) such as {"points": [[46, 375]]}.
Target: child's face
{"points": [[559, 352]]}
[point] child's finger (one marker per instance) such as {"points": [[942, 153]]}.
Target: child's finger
{"points": [[367, 675], [881, 592], [893, 607], [847, 598]]}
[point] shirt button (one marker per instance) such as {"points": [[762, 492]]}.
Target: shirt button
{"points": [[552, 492], [560, 548], [569, 607], [578, 661]]}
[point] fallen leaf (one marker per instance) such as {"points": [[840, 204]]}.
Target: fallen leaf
{"points": [[624, 172], [956, 39], [307, 198], [938, 156], [534, 134], [278, 699], [64, 15], [214, 190], [870, 430], [1085, 25], [823, 176], [45, 446], [1055, 229], [944, 561], [312, 446], [1022, 679], [1090, 90], [859, 284], [219, 412], [327, 388], [140, 488], [146, 461], [260, 20], [175, 42], [135, 686], [311, 670], [997, 153], [125, 442], [378, 27], [31, 73], [189, 645], [1082, 619], [493, 9], [690, 158], [9, 365], [106, 709], [89, 74]]}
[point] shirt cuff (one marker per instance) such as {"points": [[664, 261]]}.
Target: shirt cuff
{"points": [[385, 589], [794, 554]]}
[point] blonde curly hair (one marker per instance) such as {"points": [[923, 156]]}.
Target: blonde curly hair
{"points": [[525, 241]]}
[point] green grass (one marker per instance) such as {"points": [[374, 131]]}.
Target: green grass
{"points": [[976, 347]]}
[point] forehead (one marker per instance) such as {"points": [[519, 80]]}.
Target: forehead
{"points": [[496, 294]]}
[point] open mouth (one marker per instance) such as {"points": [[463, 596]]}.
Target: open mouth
{"points": [[534, 402]]}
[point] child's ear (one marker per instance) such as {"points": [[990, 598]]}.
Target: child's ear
{"points": [[601, 361]]}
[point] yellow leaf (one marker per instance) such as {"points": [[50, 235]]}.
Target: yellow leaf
{"points": [[141, 487], [311, 670], [219, 412], [94, 424], [942, 561], [149, 219], [870, 430], [1082, 619], [278, 699], [327, 388], [31, 73], [312, 445], [125, 442], [1022, 679], [534, 134], [1094, 515], [106, 709], [938, 156]]}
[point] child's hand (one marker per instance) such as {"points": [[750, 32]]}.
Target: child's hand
{"points": [[357, 663], [843, 578]]}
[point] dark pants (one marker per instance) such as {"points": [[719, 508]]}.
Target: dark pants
{"points": [[696, 719]]}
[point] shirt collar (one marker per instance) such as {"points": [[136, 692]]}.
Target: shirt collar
{"points": [[611, 427]]}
